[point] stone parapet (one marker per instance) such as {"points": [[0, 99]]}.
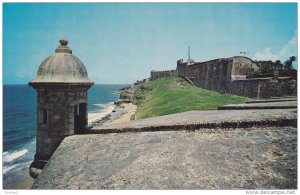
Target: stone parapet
{"points": [[161, 74]]}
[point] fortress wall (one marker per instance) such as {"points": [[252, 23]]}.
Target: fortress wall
{"points": [[180, 69], [212, 75], [280, 87], [263, 88], [228, 75], [242, 67], [247, 88], [161, 74]]}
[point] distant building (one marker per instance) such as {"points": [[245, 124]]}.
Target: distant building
{"points": [[231, 75]]}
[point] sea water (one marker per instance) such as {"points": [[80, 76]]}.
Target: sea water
{"points": [[19, 122]]}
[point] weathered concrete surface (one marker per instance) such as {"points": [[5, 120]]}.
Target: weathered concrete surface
{"points": [[260, 105], [255, 158], [204, 119], [286, 96], [273, 100]]}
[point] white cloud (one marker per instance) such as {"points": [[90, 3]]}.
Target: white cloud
{"points": [[266, 54], [23, 73], [290, 49]]}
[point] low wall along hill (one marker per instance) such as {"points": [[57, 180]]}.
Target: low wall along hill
{"points": [[160, 74]]}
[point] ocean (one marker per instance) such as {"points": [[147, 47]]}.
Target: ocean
{"points": [[19, 123]]}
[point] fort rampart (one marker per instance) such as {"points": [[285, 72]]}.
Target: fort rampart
{"points": [[160, 74], [230, 75]]}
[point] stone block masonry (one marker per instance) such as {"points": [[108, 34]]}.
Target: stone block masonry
{"points": [[263, 87], [55, 111], [212, 75], [229, 75], [160, 74]]}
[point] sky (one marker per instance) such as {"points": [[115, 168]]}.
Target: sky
{"points": [[120, 43]]}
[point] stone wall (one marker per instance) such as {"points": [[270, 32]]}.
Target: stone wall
{"points": [[218, 74], [249, 87], [160, 74], [264, 88], [242, 67], [229, 75], [280, 87], [212, 75], [56, 105]]}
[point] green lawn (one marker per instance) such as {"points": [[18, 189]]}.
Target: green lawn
{"points": [[173, 95]]}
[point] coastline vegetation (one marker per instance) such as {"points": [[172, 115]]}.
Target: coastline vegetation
{"points": [[174, 94]]}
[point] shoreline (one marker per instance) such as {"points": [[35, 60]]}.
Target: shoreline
{"points": [[121, 110], [118, 113], [21, 180], [128, 111], [94, 117]]}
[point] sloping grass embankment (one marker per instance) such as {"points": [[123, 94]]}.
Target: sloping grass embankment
{"points": [[173, 95]]}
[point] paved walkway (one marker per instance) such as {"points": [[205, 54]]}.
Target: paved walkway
{"points": [[205, 119], [288, 96], [272, 103], [260, 105], [251, 158], [273, 100], [227, 149]]}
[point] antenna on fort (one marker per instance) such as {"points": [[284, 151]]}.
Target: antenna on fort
{"points": [[190, 60]]}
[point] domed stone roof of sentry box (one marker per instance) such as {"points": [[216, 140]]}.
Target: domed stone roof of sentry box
{"points": [[62, 67]]}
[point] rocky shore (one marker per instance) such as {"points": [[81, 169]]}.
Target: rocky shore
{"points": [[121, 111]]}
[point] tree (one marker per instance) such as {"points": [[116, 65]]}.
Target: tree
{"points": [[288, 64], [293, 58]]}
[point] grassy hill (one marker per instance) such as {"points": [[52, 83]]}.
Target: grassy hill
{"points": [[174, 94]]}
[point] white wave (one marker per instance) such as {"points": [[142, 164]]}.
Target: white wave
{"points": [[16, 167], [104, 105], [107, 109], [100, 105], [8, 168], [10, 156]]}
